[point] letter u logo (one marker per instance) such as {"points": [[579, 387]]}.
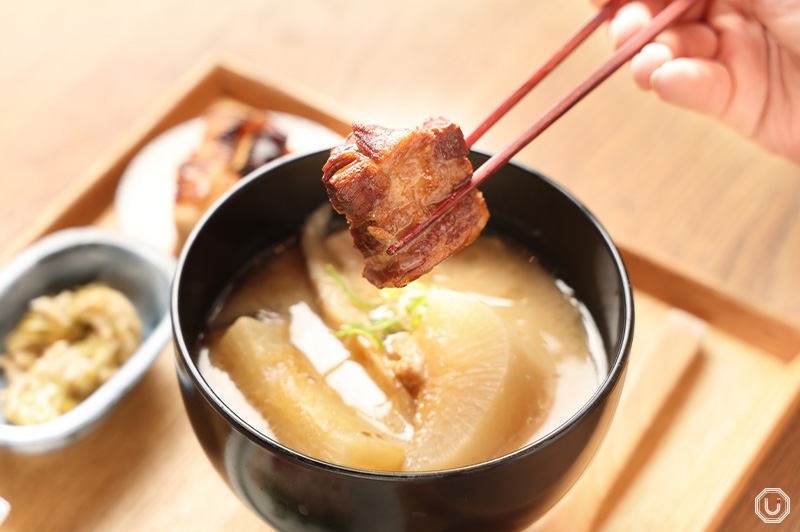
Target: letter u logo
{"points": [[771, 512], [782, 505]]}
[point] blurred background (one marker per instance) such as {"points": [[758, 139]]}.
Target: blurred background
{"points": [[77, 75]]}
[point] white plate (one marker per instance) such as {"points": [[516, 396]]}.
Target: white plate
{"points": [[146, 192]]}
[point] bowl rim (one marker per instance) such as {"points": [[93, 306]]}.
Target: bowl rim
{"points": [[615, 371], [70, 426]]}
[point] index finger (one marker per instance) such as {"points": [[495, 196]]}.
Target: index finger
{"points": [[636, 14], [631, 17]]}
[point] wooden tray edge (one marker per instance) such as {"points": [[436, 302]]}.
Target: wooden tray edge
{"points": [[93, 192], [776, 421], [89, 195], [707, 299]]}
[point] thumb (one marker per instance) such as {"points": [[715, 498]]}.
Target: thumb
{"points": [[699, 84]]}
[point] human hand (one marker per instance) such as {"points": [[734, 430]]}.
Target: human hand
{"points": [[737, 60]]}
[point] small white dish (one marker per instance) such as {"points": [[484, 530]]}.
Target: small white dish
{"points": [[65, 260], [146, 191]]}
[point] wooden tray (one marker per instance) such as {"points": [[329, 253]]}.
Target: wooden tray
{"points": [[144, 470]]}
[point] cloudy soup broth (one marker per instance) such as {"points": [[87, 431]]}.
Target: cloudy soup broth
{"points": [[474, 360]]}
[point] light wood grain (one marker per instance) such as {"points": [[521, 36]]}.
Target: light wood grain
{"points": [[703, 444], [652, 379], [131, 474], [88, 198], [78, 76], [777, 468], [705, 298]]}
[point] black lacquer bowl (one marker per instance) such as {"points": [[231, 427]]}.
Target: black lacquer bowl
{"points": [[294, 492]]}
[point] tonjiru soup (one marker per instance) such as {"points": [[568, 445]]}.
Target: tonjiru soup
{"points": [[474, 360]]}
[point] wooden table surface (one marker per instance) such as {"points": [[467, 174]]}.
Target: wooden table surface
{"points": [[75, 76]]}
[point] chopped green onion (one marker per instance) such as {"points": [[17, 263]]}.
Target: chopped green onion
{"points": [[401, 317], [356, 329], [421, 300], [354, 298], [386, 325], [373, 329]]}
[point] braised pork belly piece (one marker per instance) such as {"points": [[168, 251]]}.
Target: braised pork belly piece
{"points": [[237, 140], [386, 181]]}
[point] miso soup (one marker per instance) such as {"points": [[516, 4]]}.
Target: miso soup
{"points": [[474, 360]]}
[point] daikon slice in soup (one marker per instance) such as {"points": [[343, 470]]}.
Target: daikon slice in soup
{"points": [[474, 360]]}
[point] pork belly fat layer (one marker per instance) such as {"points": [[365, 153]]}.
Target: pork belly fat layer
{"points": [[386, 181]]}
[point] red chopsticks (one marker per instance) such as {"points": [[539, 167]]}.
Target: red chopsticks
{"points": [[667, 16], [545, 68]]}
